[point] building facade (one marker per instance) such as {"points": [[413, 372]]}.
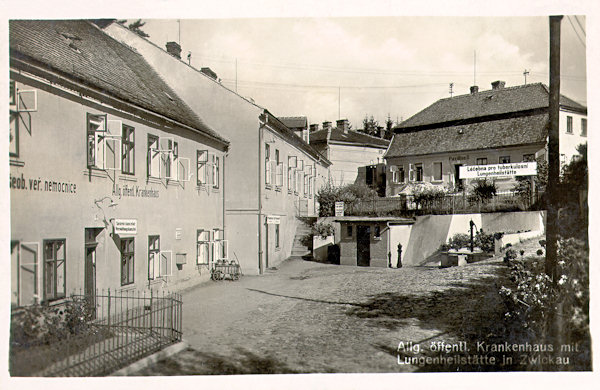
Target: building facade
{"points": [[105, 192], [348, 150], [272, 174], [498, 126]]}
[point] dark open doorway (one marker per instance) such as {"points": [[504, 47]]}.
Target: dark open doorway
{"points": [[363, 246]]}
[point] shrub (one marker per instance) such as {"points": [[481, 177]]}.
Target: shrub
{"points": [[483, 191], [485, 241], [509, 255], [349, 194], [539, 252], [427, 197], [459, 240], [542, 243], [322, 229]]}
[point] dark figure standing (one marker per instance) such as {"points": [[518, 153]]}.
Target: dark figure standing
{"points": [[399, 265]]}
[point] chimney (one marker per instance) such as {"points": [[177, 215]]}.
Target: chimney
{"points": [[209, 72], [474, 89], [498, 84], [174, 49], [343, 124], [314, 127], [327, 126]]}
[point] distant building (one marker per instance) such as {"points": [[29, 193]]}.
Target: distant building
{"points": [[272, 175], [298, 124], [501, 125], [347, 150], [373, 176], [105, 192]]}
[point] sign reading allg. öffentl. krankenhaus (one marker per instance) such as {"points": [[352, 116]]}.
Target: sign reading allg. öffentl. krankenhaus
{"points": [[498, 170]]}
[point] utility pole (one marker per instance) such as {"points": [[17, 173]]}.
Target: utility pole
{"points": [[339, 102], [451, 85], [553, 150], [525, 73]]}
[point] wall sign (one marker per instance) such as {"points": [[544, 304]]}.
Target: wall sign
{"points": [[124, 227], [339, 209], [498, 170], [273, 219]]}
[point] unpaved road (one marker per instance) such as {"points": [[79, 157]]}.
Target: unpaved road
{"points": [[311, 317]]}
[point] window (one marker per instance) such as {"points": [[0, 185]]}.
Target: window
{"points": [[128, 143], [290, 172], [220, 246], [278, 170], [171, 159], [419, 172], [215, 171], [482, 161], [528, 157], [153, 157], [437, 171], [127, 260], [268, 173], [306, 178], [583, 127], [13, 134], [203, 247], [349, 230], [153, 257], [504, 160], [569, 124], [377, 231], [201, 162], [277, 236], [96, 130], [54, 269]]}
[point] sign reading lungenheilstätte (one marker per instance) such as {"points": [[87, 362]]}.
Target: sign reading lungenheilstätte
{"points": [[498, 170]]}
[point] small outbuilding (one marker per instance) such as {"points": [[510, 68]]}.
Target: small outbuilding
{"points": [[367, 241]]}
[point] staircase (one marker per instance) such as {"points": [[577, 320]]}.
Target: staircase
{"points": [[298, 249]]}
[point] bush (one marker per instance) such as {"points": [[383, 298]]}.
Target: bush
{"points": [[322, 229], [485, 241], [459, 240], [349, 194], [509, 255], [483, 191], [43, 324], [427, 197], [533, 297], [539, 252]]}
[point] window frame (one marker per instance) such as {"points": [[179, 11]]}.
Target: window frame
{"points": [[529, 157], [95, 138], [501, 158], [569, 124], [481, 161], [205, 242], [152, 140], [127, 261], [130, 146], [349, 230], [419, 176], [215, 171], [277, 238], [583, 127], [153, 250], [56, 295], [13, 114], [441, 171], [201, 167]]}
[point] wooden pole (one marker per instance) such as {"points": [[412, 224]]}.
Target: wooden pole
{"points": [[553, 150]]}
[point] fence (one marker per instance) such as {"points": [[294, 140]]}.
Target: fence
{"points": [[106, 332], [406, 205]]}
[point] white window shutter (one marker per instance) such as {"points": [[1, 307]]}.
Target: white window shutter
{"points": [[184, 173], [26, 100]]}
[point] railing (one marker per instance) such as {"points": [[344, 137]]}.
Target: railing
{"points": [[405, 205], [122, 328]]}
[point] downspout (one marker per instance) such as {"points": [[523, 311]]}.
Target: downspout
{"points": [[223, 208], [260, 138]]}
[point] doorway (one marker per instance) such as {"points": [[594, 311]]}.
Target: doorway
{"points": [[457, 181], [363, 246], [89, 280]]}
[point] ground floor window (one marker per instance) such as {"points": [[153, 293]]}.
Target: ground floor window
{"points": [[482, 161], [437, 171], [504, 160], [127, 260], [276, 236], [418, 172], [153, 256], [54, 269], [203, 247]]}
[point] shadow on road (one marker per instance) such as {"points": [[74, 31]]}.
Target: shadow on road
{"points": [[194, 362]]}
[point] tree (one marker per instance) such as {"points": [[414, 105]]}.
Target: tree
{"points": [[370, 126], [136, 27]]}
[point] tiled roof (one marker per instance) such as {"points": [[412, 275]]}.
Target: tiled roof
{"points": [[352, 137], [487, 103], [526, 129], [294, 121], [78, 50]]}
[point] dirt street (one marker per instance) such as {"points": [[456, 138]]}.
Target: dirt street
{"points": [[311, 317]]}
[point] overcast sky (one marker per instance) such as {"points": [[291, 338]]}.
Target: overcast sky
{"points": [[373, 65]]}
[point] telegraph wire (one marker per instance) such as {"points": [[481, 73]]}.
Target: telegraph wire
{"points": [[575, 30]]}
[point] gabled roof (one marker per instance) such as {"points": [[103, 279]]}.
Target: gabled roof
{"points": [[495, 102], [79, 51], [294, 121], [522, 130], [351, 137]]}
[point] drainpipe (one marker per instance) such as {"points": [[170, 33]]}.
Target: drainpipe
{"points": [[223, 208], [260, 142]]}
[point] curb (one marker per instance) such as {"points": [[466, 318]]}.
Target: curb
{"points": [[150, 360]]}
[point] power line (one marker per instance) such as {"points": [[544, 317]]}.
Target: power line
{"points": [[575, 30], [580, 26]]}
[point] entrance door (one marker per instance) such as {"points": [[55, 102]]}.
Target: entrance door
{"points": [[458, 182], [363, 246], [89, 276]]}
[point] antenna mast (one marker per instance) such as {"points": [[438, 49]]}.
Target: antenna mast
{"points": [[474, 67], [451, 85], [525, 73]]}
